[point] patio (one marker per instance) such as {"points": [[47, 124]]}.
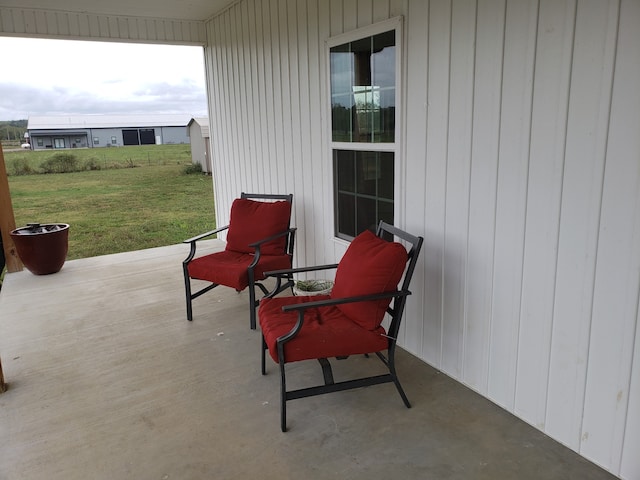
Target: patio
{"points": [[107, 379]]}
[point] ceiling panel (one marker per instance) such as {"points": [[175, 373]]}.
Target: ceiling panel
{"points": [[169, 9]]}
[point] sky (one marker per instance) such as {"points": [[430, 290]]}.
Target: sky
{"points": [[63, 77]]}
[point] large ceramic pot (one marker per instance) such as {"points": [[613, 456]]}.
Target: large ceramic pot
{"points": [[42, 248]]}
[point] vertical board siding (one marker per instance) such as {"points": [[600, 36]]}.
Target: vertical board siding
{"points": [[622, 152], [617, 271], [482, 194], [587, 129], [548, 126], [438, 63], [520, 166], [456, 221], [68, 25], [412, 333], [511, 201]]}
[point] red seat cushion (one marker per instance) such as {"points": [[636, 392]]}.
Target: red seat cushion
{"points": [[230, 268], [251, 221], [370, 265], [326, 331]]}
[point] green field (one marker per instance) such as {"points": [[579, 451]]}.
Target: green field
{"points": [[31, 162], [115, 209]]}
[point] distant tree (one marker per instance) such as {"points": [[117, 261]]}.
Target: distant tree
{"points": [[13, 130]]}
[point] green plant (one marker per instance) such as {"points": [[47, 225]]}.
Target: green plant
{"points": [[140, 155], [313, 285], [92, 164], [192, 168], [21, 166], [60, 163]]}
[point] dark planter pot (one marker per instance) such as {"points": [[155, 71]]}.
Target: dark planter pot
{"points": [[42, 248]]}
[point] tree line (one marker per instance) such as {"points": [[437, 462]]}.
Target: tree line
{"points": [[12, 130]]}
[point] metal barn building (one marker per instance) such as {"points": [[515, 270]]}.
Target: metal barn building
{"points": [[90, 131]]}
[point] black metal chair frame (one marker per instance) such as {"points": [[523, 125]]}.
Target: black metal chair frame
{"points": [[395, 310], [289, 234]]}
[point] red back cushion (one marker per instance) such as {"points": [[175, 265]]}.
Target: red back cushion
{"points": [[252, 220], [370, 265]]}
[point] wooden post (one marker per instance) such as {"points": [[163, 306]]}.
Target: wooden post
{"points": [[3, 386], [7, 220]]}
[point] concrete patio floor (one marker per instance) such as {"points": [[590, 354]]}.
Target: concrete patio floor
{"points": [[108, 380]]}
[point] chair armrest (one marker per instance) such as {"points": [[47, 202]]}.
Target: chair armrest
{"points": [[192, 241], [301, 307], [282, 273], [257, 244], [205, 235], [338, 301]]}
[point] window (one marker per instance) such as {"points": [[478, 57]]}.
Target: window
{"points": [[364, 190], [40, 142], [96, 140], [363, 80], [114, 140]]}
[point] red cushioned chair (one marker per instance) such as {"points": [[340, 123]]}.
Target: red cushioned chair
{"points": [[348, 321], [259, 238]]}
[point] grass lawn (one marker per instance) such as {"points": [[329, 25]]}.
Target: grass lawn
{"points": [[118, 209], [28, 161]]}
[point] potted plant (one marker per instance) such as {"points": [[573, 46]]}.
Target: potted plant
{"points": [[42, 248], [312, 287]]}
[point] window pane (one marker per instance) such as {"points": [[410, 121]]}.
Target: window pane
{"points": [[346, 215], [385, 211], [385, 39], [386, 178], [362, 62], [363, 190], [341, 70], [363, 89], [366, 214], [368, 173], [383, 60], [341, 118], [345, 170]]}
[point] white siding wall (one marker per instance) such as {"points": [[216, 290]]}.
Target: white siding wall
{"points": [[521, 168]]}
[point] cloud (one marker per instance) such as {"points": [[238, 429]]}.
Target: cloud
{"points": [[22, 101], [110, 79]]}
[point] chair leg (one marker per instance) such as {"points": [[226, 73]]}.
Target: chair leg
{"points": [[283, 399], [327, 372], [187, 291], [394, 376], [264, 352], [252, 299], [252, 307], [396, 382]]}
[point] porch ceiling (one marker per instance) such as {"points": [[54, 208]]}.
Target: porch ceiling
{"points": [[169, 9]]}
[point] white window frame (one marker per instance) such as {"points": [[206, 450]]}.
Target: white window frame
{"points": [[395, 24]]}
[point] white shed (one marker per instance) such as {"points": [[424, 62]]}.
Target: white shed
{"points": [[198, 132]]}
